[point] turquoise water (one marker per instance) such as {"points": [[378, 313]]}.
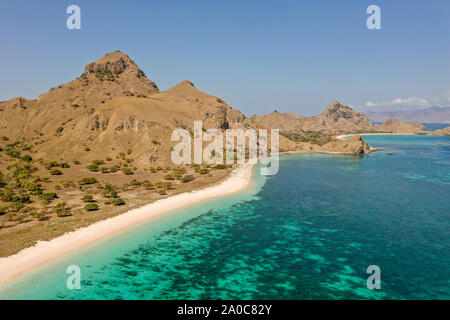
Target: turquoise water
{"points": [[309, 232]]}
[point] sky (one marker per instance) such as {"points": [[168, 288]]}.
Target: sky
{"points": [[258, 55]]}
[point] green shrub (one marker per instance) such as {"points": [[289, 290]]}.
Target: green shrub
{"points": [[147, 185], [117, 202], [92, 167], [203, 171], [168, 177], [61, 210], [87, 180], [134, 182], [88, 198], [27, 158], [187, 178], [55, 172], [98, 162], [152, 170], [48, 197], [109, 191], [162, 192], [127, 171], [59, 130], [91, 207], [104, 170]]}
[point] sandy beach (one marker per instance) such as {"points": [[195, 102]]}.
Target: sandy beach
{"points": [[46, 251]]}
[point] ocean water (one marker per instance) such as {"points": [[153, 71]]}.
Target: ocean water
{"points": [[435, 126], [309, 232]]}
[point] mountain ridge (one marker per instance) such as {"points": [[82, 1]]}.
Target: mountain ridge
{"points": [[432, 114]]}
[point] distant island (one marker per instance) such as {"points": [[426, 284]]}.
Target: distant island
{"points": [[428, 115]]}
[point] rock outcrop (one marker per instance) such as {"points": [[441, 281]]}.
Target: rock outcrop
{"points": [[352, 145], [442, 132]]}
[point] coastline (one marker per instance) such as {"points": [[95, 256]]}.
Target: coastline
{"points": [[46, 251]]}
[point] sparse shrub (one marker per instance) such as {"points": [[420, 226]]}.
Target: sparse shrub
{"points": [[203, 171], [27, 158], [117, 202], [147, 185], [162, 192], [127, 171], [187, 178], [92, 167], [156, 142], [88, 198], [104, 170], [152, 170], [91, 207], [59, 130], [109, 191], [134, 182], [98, 162], [87, 180], [168, 177], [61, 210], [55, 172], [48, 197]]}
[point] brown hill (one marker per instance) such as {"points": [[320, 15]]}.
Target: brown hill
{"points": [[335, 119], [396, 126], [442, 132], [113, 107]]}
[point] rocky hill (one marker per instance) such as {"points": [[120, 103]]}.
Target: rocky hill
{"points": [[442, 132], [396, 126], [335, 119]]}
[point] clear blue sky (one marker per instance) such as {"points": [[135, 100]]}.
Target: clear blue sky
{"points": [[256, 54]]}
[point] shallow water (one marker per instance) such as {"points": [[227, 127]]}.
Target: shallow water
{"points": [[309, 232]]}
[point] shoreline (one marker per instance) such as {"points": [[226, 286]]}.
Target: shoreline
{"points": [[47, 251]]}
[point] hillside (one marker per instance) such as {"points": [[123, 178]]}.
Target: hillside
{"points": [[429, 115]]}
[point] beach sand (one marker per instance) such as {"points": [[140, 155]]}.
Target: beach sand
{"points": [[46, 251]]}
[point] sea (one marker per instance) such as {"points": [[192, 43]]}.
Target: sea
{"points": [[315, 230]]}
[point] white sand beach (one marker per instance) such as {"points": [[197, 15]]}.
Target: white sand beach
{"points": [[46, 251]]}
